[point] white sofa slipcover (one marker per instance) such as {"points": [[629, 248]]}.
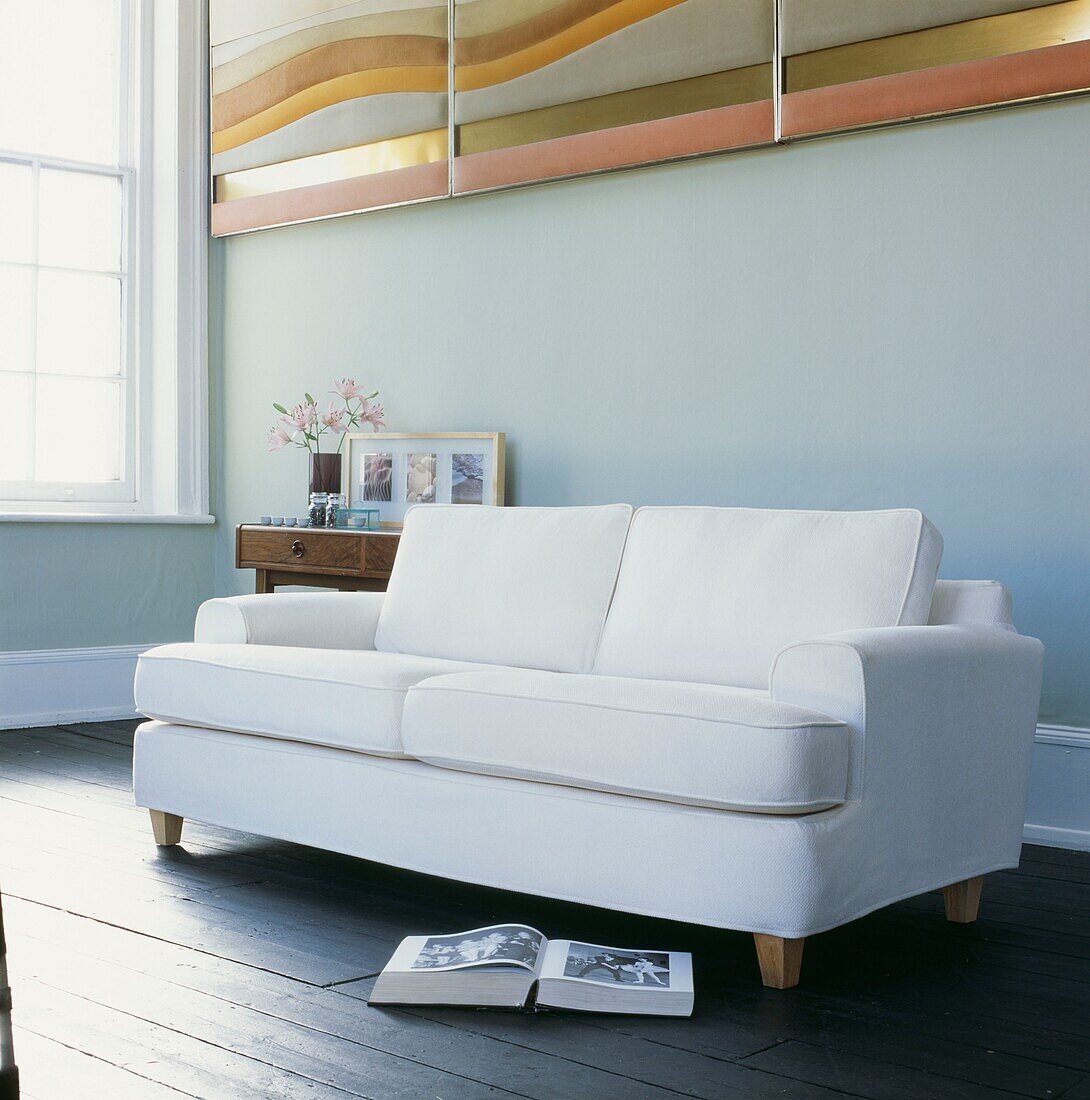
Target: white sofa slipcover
{"points": [[876, 760]]}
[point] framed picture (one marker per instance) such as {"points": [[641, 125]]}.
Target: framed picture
{"points": [[395, 470]]}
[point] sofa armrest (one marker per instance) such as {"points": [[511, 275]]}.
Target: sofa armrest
{"points": [[313, 620], [943, 720]]}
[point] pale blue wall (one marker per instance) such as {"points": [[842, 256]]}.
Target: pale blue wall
{"points": [[893, 318], [70, 585]]}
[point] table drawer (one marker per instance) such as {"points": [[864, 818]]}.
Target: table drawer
{"points": [[379, 553], [291, 546]]}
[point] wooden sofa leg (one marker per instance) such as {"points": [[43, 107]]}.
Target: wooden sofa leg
{"points": [[166, 827], [962, 900], [780, 960]]}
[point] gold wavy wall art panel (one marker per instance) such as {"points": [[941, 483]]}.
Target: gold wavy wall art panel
{"points": [[548, 89], [322, 108], [325, 107], [849, 65]]}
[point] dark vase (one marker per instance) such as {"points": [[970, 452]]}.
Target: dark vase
{"points": [[325, 473]]}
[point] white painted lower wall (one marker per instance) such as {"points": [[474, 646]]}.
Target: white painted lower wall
{"points": [[47, 687], [44, 687], [1058, 808]]}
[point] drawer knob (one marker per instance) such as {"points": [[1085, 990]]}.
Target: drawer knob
{"points": [[297, 548]]}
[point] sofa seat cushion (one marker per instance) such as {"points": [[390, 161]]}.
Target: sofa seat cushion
{"points": [[346, 699], [727, 748]]}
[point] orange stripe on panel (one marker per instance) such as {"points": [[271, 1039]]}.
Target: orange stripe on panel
{"points": [[415, 78], [1049, 71], [734, 127], [322, 64], [624, 13], [422, 181], [489, 47]]}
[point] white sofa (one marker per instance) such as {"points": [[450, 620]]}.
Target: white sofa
{"points": [[779, 712]]}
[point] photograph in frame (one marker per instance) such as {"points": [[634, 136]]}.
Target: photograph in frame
{"points": [[376, 476], [420, 478], [466, 478]]}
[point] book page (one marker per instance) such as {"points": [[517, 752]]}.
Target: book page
{"points": [[592, 963], [495, 945]]}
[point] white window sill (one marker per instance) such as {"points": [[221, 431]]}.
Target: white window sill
{"points": [[103, 517]]}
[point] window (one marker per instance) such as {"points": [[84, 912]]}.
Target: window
{"points": [[101, 260]]}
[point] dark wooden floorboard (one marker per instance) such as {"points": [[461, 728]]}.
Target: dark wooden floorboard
{"points": [[237, 966]]}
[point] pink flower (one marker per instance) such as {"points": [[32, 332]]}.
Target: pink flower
{"points": [[278, 437], [348, 389], [332, 418], [302, 416], [371, 414]]}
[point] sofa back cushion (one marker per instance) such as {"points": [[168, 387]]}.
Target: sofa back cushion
{"points": [[976, 603], [712, 594], [506, 586]]}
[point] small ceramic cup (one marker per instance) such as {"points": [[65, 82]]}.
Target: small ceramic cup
{"points": [[278, 521], [289, 521], [265, 520], [304, 521]]}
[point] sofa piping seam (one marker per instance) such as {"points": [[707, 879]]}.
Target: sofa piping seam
{"points": [[915, 569], [612, 591], [450, 775], [863, 720], [832, 723], [383, 754], [287, 675], [552, 778]]}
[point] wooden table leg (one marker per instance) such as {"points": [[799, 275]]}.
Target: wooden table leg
{"points": [[261, 581]]}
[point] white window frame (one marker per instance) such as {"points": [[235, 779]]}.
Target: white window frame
{"points": [[167, 261], [124, 488]]}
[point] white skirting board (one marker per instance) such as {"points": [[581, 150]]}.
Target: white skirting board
{"points": [[44, 687], [1058, 809], [49, 686]]}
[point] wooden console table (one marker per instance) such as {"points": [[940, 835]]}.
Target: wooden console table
{"points": [[353, 561]]}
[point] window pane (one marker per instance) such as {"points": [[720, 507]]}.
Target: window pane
{"points": [[16, 318], [77, 430], [79, 323], [59, 78], [15, 441], [16, 212], [79, 220]]}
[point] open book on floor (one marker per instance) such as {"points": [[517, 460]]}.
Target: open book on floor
{"points": [[500, 966]]}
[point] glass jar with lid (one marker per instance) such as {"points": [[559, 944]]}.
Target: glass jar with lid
{"points": [[317, 510], [334, 502]]}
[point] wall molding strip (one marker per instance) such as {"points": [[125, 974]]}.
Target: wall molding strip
{"points": [[45, 687], [1075, 736], [1058, 807]]}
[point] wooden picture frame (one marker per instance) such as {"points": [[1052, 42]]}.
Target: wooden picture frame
{"points": [[395, 470]]}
